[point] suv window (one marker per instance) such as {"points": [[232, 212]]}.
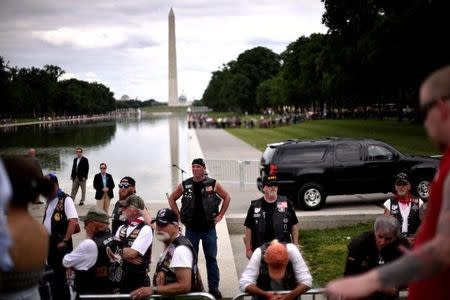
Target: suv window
{"points": [[267, 155], [295, 155], [348, 152], [377, 152]]}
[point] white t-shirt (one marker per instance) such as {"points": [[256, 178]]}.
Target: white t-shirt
{"points": [[251, 272], [182, 258], [83, 257], [69, 210], [404, 211], [142, 241]]}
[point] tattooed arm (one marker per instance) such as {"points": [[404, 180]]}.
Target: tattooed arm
{"points": [[422, 263]]}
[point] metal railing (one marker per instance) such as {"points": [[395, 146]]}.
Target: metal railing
{"points": [[312, 294], [243, 172], [190, 296]]}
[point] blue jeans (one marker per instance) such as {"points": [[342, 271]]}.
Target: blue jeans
{"points": [[209, 243]]}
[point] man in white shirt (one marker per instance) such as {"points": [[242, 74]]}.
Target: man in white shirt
{"points": [[407, 209], [136, 237], [61, 222], [177, 270], [274, 267], [96, 271]]}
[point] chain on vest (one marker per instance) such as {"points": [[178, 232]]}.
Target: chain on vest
{"points": [[413, 217], [105, 275], [170, 276], [210, 200], [280, 221], [289, 282]]}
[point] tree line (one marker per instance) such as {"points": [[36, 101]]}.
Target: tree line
{"points": [[374, 52], [34, 92]]}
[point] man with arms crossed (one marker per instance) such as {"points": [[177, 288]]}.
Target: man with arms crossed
{"points": [[427, 267]]}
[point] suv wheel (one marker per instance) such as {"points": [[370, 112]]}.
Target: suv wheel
{"points": [[311, 196], [422, 188]]}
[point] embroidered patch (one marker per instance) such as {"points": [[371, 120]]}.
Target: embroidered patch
{"points": [[282, 205], [209, 188], [257, 209]]}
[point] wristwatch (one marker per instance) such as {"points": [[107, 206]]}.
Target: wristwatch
{"points": [[155, 290]]}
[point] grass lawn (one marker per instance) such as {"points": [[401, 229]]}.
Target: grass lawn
{"points": [[405, 136], [325, 251]]}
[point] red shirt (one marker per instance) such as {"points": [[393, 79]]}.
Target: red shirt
{"points": [[438, 286]]}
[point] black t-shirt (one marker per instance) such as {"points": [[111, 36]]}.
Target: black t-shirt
{"points": [[198, 215]]}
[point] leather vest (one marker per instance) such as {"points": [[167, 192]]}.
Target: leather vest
{"points": [[101, 278], [289, 282], [170, 277], [280, 221], [117, 219], [210, 201], [413, 217], [129, 268], [59, 222]]}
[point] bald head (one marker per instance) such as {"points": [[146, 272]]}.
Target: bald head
{"points": [[436, 85], [32, 152], [435, 105]]}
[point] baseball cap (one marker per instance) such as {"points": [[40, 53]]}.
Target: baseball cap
{"points": [[270, 180], [277, 259], [136, 201], [52, 177], [95, 214], [129, 180], [401, 178], [166, 216], [199, 161]]}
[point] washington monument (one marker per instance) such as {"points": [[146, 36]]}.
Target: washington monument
{"points": [[173, 84]]}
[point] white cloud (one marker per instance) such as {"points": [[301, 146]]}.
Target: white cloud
{"points": [[84, 38]]}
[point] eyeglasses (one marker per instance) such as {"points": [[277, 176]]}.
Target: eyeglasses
{"points": [[424, 109], [124, 185], [101, 168]]}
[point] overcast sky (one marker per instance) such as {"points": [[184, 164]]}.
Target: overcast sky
{"points": [[124, 44]]}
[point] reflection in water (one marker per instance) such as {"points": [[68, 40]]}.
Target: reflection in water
{"points": [[173, 131], [137, 148]]}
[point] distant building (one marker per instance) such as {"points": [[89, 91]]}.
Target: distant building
{"points": [[125, 98], [182, 99]]}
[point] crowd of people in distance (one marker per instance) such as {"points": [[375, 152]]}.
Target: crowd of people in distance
{"points": [[409, 245], [268, 120]]}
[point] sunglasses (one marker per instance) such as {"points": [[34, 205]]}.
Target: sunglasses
{"points": [[430, 104], [124, 185], [401, 183]]}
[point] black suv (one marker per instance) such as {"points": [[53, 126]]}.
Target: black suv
{"points": [[309, 170]]}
